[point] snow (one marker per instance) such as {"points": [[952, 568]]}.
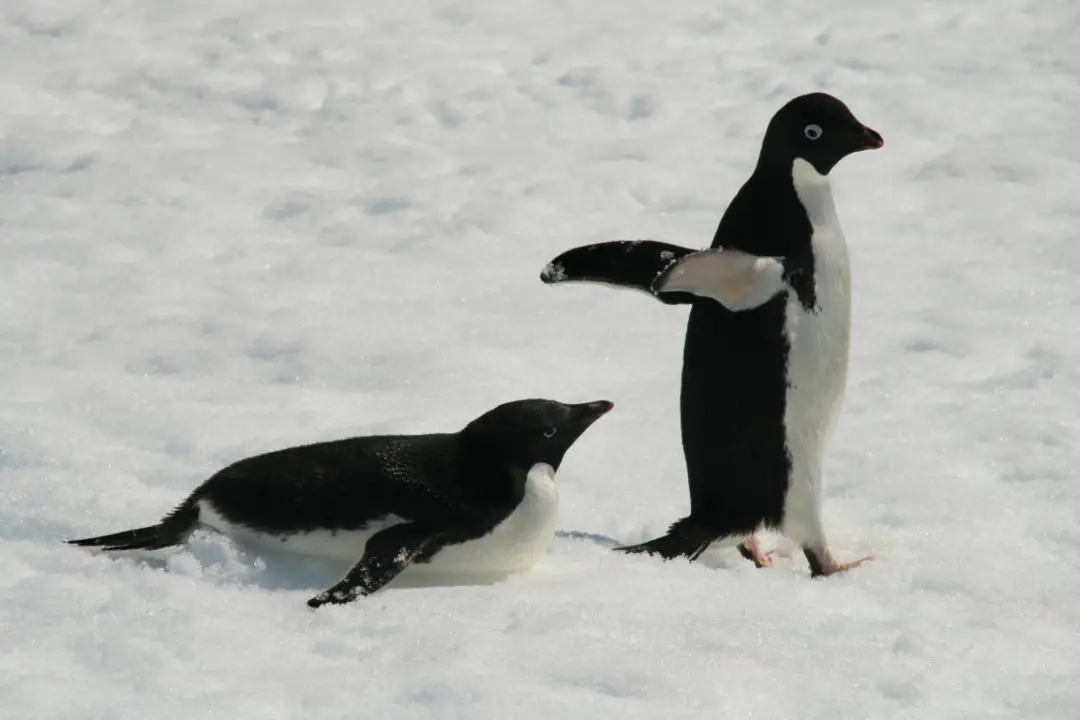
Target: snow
{"points": [[230, 227]]}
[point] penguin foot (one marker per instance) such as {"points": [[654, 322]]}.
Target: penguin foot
{"points": [[823, 563], [750, 548]]}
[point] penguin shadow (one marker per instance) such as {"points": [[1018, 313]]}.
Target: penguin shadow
{"points": [[601, 540]]}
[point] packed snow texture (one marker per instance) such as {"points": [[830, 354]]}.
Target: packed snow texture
{"points": [[232, 226]]}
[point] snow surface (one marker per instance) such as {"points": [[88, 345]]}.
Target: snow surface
{"points": [[232, 226]]}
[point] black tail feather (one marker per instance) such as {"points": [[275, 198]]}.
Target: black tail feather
{"points": [[173, 530], [685, 538], [631, 264]]}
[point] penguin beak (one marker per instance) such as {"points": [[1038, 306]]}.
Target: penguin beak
{"points": [[870, 139], [601, 406], [592, 411], [582, 417]]}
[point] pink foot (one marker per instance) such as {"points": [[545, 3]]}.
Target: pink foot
{"points": [[751, 550], [823, 563]]}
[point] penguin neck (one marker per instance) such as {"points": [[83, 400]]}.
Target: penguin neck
{"points": [[814, 193], [828, 247]]}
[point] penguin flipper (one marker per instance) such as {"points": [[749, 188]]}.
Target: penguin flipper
{"points": [[386, 554], [737, 280], [629, 264]]}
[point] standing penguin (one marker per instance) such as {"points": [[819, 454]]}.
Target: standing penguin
{"points": [[480, 501], [766, 353]]}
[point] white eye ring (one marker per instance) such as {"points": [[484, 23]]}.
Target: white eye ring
{"points": [[812, 131], [550, 432]]}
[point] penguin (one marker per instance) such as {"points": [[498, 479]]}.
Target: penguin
{"points": [[481, 501], [766, 348]]}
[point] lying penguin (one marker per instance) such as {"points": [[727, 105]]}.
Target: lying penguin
{"points": [[479, 501], [766, 352]]}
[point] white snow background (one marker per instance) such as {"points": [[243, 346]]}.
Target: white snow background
{"points": [[232, 226]]}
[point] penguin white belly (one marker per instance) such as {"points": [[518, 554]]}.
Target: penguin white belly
{"points": [[347, 545], [818, 358], [514, 545]]}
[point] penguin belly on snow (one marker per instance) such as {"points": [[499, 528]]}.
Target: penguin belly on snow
{"points": [[480, 501]]}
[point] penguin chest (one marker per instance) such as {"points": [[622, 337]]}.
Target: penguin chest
{"points": [[819, 337], [514, 544], [819, 340]]}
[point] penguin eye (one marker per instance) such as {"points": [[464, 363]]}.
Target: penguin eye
{"points": [[812, 131], [550, 432]]}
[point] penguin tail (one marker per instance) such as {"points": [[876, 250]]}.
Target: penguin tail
{"points": [[629, 264], [173, 530], [685, 538]]}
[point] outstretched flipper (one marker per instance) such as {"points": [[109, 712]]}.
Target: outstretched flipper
{"points": [[672, 274], [735, 279], [173, 530], [630, 264], [386, 554]]}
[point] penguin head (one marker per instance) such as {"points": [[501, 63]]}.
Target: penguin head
{"points": [[524, 433], [817, 128]]}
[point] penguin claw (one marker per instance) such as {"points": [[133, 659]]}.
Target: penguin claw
{"points": [[762, 560], [844, 567], [751, 550], [822, 563]]}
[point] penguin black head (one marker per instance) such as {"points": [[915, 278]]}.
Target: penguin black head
{"points": [[817, 128], [526, 432]]}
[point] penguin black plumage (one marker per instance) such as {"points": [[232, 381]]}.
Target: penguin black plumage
{"points": [[479, 501], [766, 351]]}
